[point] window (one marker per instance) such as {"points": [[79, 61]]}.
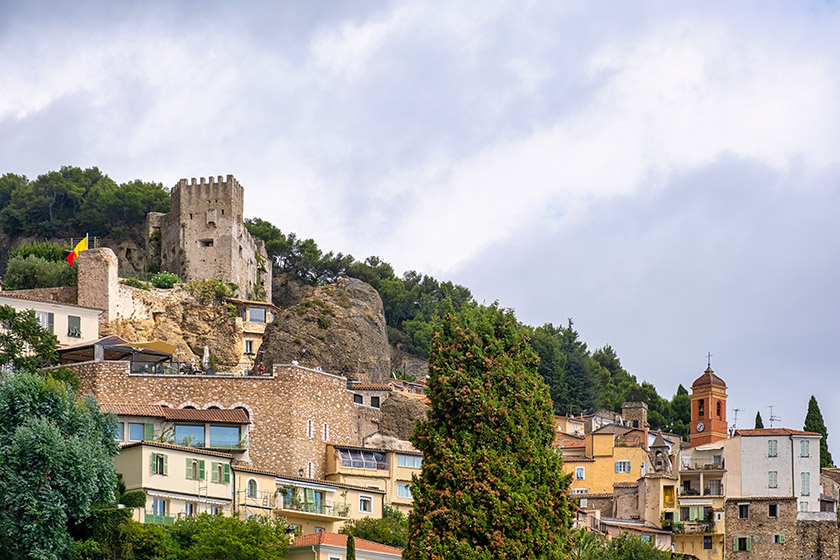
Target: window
{"points": [[160, 464], [205, 242], [410, 461], [251, 488], [374, 402], [773, 479], [47, 320], [741, 543], [310, 470], [804, 448], [256, 315], [580, 491], [220, 473], [159, 506], [622, 466], [214, 510], [700, 408], [803, 506], [358, 399], [404, 490], [645, 538], [580, 473], [365, 504], [249, 347], [685, 514], [74, 326], [140, 432], [189, 508], [310, 429], [707, 542], [326, 432], [195, 469], [118, 431], [778, 539], [718, 409], [635, 423], [772, 448], [743, 511], [773, 510], [806, 484], [224, 436], [186, 434], [358, 459]]}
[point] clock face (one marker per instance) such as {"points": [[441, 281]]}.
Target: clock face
{"points": [[700, 426]]}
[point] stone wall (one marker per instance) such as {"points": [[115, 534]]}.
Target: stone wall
{"points": [[288, 410]]}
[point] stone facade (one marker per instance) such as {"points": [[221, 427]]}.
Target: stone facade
{"points": [[294, 412], [203, 236]]}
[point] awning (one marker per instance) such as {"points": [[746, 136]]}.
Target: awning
{"points": [[154, 345]]}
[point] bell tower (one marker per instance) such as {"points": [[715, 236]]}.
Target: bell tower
{"points": [[708, 409]]}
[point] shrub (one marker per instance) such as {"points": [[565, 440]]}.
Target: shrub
{"points": [[136, 498], [165, 280], [135, 283], [52, 252], [36, 272], [209, 290], [324, 321], [232, 311]]}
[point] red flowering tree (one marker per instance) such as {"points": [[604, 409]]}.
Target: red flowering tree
{"points": [[491, 485]]}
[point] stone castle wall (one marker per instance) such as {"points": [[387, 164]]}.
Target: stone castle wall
{"points": [[280, 407], [203, 236]]}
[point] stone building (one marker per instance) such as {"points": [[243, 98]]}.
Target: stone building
{"points": [[203, 236]]}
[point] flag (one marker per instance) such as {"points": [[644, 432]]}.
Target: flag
{"points": [[80, 246]]}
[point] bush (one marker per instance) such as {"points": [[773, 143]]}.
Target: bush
{"points": [[36, 272], [210, 290], [52, 252], [165, 280], [135, 283], [137, 498]]}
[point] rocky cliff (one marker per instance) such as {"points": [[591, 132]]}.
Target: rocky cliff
{"points": [[339, 327]]}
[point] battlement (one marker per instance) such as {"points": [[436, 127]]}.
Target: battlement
{"points": [[210, 180]]}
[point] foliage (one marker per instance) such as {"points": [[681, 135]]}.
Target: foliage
{"points": [[165, 280], [135, 283], [214, 537], [52, 252], [491, 485], [211, 289], [133, 499], [814, 423], [351, 548], [759, 423], [391, 530], [24, 273], [24, 344], [55, 462], [626, 546]]}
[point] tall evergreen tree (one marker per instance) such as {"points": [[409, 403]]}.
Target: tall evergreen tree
{"points": [[491, 485], [759, 423], [351, 547], [814, 423]]}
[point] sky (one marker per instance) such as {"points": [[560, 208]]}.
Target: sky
{"points": [[666, 175]]}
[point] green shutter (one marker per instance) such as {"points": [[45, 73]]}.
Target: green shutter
{"points": [[148, 432], [735, 544], [214, 472], [781, 539], [165, 464], [153, 463], [201, 471], [227, 474], [309, 498], [749, 543], [51, 322], [189, 468]]}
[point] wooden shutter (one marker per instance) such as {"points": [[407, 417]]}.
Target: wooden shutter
{"points": [[165, 464], [190, 468], [148, 432], [214, 472], [154, 464], [227, 474], [201, 472], [309, 498], [749, 543], [735, 544], [781, 539]]}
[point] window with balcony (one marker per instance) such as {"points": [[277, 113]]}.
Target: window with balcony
{"points": [[225, 436], [159, 506], [580, 473], [358, 459], [410, 461], [189, 434], [773, 479], [772, 448]]}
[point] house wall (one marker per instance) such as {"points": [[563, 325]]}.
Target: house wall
{"points": [[693, 544], [760, 528], [279, 406], [600, 472], [788, 464], [89, 318]]}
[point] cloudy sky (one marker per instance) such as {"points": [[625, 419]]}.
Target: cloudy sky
{"points": [[665, 174]]}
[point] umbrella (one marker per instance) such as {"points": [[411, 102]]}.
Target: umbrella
{"points": [[206, 360]]}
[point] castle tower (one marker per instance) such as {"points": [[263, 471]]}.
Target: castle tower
{"points": [[708, 409], [203, 236]]}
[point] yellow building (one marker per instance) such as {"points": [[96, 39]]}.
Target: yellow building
{"points": [[604, 463], [701, 500], [386, 470]]}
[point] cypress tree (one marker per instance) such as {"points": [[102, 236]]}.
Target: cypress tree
{"points": [[351, 547], [759, 423], [814, 423], [491, 485]]}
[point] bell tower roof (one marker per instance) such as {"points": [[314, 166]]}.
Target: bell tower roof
{"points": [[708, 378]]}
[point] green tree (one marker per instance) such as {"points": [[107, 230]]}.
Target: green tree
{"points": [[36, 272], [214, 537], [759, 423], [491, 485], [391, 530], [24, 344], [351, 547], [814, 423], [55, 463]]}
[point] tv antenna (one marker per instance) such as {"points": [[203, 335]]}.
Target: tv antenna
{"points": [[773, 418], [735, 420]]}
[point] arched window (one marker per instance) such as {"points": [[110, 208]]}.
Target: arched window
{"points": [[718, 409], [700, 409], [251, 492]]}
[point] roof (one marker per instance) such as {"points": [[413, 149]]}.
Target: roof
{"points": [[372, 387], [595, 496], [708, 378], [633, 524], [176, 448], [335, 539], [252, 302], [774, 432], [116, 348], [612, 429], [759, 498], [45, 299], [232, 416], [567, 444], [659, 441], [625, 484]]}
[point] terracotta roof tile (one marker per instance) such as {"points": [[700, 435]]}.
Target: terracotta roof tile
{"points": [[133, 409], [176, 447], [372, 387], [232, 416], [625, 484], [708, 378], [773, 432], [335, 539]]}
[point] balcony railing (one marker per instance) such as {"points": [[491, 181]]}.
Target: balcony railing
{"points": [[702, 463], [697, 527], [707, 491], [182, 368], [284, 502], [153, 519]]}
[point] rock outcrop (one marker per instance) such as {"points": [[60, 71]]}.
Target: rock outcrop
{"points": [[399, 415], [339, 327]]}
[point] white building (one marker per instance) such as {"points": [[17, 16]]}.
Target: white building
{"points": [[71, 324]]}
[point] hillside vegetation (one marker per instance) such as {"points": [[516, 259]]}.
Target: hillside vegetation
{"points": [[72, 202]]}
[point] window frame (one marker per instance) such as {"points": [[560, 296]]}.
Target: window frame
{"points": [[773, 511], [366, 498], [805, 483], [743, 511], [74, 331], [805, 448], [256, 488], [580, 473], [623, 466], [772, 479], [772, 448], [404, 490]]}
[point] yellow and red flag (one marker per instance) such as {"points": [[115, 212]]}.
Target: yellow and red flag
{"points": [[80, 246]]}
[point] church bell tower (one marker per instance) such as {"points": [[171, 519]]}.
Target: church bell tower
{"points": [[708, 409]]}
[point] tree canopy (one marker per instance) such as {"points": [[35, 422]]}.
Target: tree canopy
{"points": [[814, 423], [390, 530], [491, 485], [759, 423], [24, 344]]}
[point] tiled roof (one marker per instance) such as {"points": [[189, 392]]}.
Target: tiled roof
{"points": [[568, 444], [625, 484], [774, 432], [708, 378], [335, 539], [567, 459], [176, 448], [252, 302], [759, 498], [372, 387], [596, 495], [232, 416]]}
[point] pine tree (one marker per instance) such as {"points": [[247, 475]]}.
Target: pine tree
{"points": [[351, 547], [814, 423], [759, 423], [491, 485]]}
